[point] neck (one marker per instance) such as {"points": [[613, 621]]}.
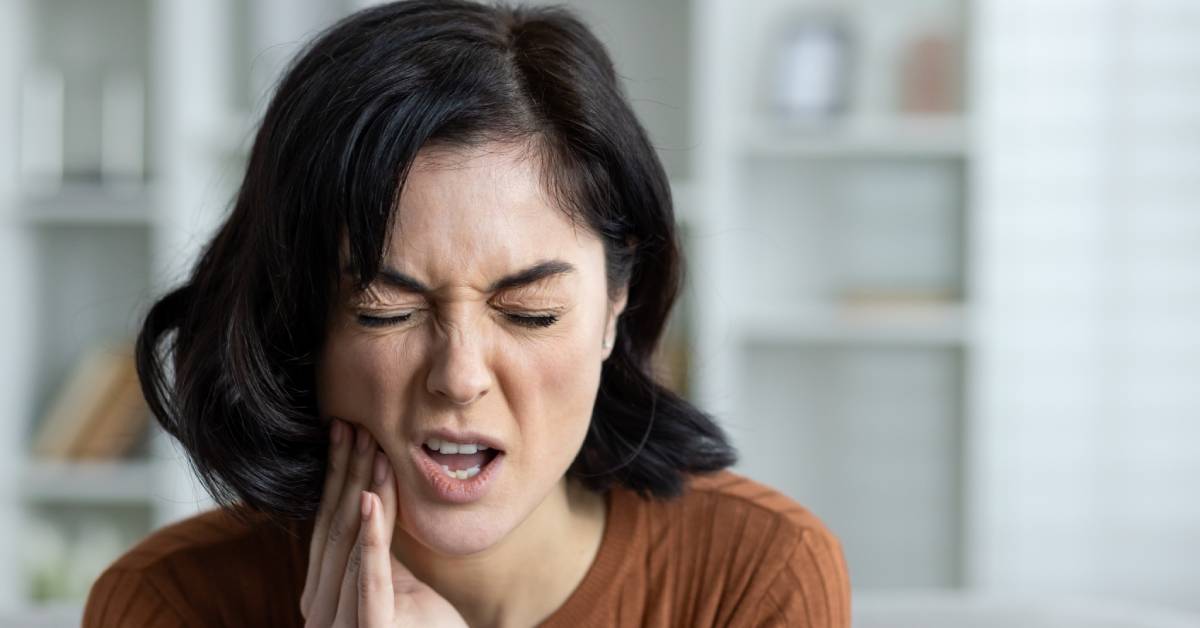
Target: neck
{"points": [[526, 576]]}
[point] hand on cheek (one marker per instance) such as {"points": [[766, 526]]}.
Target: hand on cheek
{"points": [[353, 579]]}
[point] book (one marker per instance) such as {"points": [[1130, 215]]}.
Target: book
{"points": [[120, 423], [99, 412]]}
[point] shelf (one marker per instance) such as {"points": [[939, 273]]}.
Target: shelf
{"points": [[79, 203], [934, 325], [920, 137], [116, 482], [44, 615]]}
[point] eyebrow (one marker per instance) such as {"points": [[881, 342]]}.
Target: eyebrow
{"points": [[533, 274]]}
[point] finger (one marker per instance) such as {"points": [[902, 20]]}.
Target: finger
{"points": [[388, 493], [403, 580], [349, 599], [339, 451], [347, 608], [376, 604], [343, 529]]}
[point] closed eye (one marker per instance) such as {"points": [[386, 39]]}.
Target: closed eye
{"points": [[382, 321], [544, 320], [534, 321]]}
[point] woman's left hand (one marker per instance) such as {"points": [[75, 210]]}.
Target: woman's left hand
{"points": [[375, 590]]}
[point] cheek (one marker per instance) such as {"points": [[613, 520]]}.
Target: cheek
{"points": [[357, 378], [573, 377], [558, 386]]}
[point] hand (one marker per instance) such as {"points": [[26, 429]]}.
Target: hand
{"points": [[353, 579]]}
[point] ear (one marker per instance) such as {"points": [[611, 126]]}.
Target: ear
{"points": [[616, 307]]}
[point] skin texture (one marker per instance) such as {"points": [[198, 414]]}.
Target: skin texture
{"points": [[460, 361]]}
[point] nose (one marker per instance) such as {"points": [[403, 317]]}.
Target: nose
{"points": [[459, 372]]}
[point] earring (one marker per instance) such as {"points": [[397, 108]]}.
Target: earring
{"points": [[605, 344]]}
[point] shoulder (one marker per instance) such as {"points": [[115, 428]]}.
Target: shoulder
{"points": [[776, 562], [742, 512], [211, 568], [730, 496]]}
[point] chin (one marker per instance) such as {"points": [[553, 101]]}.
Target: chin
{"points": [[455, 530]]}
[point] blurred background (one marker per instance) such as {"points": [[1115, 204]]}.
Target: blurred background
{"points": [[943, 290]]}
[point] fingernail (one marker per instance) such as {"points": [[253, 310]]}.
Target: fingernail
{"points": [[335, 432], [368, 505], [381, 467], [364, 439]]}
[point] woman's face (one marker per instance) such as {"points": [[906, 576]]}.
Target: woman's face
{"points": [[485, 328]]}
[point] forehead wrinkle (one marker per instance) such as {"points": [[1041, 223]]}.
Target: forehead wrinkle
{"points": [[444, 225], [474, 262]]}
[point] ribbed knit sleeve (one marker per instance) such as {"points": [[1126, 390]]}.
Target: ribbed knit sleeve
{"points": [[205, 571], [813, 588], [121, 599]]}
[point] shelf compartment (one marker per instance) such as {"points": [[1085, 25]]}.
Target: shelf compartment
{"points": [[86, 203], [935, 325], [862, 435], [67, 544], [821, 230], [907, 137], [120, 482]]}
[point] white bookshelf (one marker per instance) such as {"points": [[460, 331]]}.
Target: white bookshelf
{"points": [[85, 255], [80, 264], [834, 318]]}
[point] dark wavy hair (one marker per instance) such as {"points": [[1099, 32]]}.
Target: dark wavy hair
{"points": [[227, 360]]}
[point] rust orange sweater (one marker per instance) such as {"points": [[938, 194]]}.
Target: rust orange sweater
{"points": [[729, 552]]}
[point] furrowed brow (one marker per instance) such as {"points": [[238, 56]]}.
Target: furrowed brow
{"points": [[533, 274]]}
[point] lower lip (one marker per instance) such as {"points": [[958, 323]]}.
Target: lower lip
{"points": [[453, 490]]}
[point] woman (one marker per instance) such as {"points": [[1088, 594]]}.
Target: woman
{"points": [[414, 363]]}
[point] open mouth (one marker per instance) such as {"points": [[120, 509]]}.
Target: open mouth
{"points": [[461, 461]]}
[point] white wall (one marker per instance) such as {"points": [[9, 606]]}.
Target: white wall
{"points": [[1088, 241]]}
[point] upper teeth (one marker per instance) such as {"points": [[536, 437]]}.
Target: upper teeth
{"points": [[447, 447]]}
